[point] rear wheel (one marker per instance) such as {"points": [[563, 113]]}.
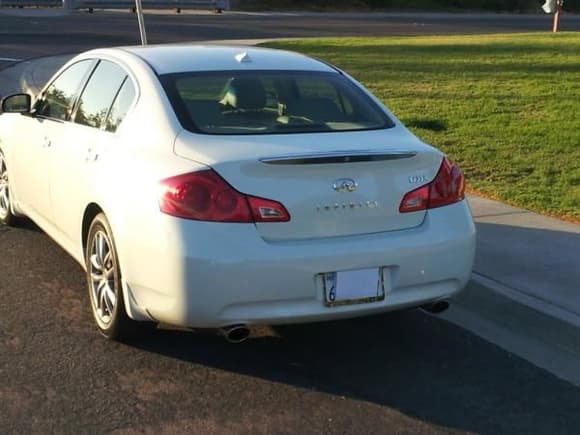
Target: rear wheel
{"points": [[6, 215], [104, 283]]}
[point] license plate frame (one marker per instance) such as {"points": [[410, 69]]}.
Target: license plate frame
{"points": [[339, 287]]}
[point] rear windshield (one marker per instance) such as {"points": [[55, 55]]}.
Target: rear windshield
{"points": [[271, 102]]}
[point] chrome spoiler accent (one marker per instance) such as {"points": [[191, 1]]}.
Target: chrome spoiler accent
{"points": [[353, 156]]}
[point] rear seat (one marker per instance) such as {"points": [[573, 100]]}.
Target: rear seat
{"points": [[316, 109], [205, 112]]}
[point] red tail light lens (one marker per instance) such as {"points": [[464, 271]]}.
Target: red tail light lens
{"points": [[205, 196], [447, 188]]}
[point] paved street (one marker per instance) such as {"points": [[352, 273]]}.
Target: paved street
{"points": [[407, 372], [31, 34]]}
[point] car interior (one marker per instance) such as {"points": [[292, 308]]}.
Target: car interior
{"points": [[270, 103]]}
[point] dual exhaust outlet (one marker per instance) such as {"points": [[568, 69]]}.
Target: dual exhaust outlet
{"points": [[436, 307], [236, 333], [240, 333]]}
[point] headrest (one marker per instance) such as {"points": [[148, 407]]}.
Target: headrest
{"points": [[244, 93]]}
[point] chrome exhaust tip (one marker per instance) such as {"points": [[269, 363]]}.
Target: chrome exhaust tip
{"points": [[236, 333], [436, 307]]}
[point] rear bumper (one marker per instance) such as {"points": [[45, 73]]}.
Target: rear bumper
{"points": [[212, 275]]}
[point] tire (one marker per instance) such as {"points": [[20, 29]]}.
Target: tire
{"points": [[105, 284], [7, 217]]}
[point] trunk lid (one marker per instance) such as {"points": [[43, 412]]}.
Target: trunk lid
{"points": [[332, 184]]}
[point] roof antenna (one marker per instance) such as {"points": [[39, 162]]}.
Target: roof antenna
{"points": [[243, 57]]}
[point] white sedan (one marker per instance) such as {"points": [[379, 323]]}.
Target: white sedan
{"points": [[221, 187]]}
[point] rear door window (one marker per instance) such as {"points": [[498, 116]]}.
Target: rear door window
{"points": [[99, 93], [121, 105]]}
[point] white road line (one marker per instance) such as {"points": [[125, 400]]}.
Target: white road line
{"points": [[9, 59]]}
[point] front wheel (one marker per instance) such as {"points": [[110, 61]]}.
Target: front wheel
{"points": [[104, 282], [6, 215]]}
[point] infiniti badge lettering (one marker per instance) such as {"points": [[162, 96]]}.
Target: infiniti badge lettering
{"points": [[347, 205]]}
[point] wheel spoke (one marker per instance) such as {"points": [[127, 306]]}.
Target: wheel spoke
{"points": [[110, 299], [108, 265], [107, 258], [95, 264], [4, 192], [103, 300], [4, 200], [100, 241], [100, 294]]}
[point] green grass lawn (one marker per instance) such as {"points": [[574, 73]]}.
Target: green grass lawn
{"points": [[506, 108]]}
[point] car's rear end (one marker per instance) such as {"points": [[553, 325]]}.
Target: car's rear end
{"points": [[311, 203]]}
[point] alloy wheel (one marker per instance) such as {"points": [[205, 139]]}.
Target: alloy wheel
{"points": [[4, 191], [103, 282]]}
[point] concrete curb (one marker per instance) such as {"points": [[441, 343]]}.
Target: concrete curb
{"points": [[536, 336], [528, 300]]}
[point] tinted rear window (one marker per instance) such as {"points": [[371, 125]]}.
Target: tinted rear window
{"points": [[271, 102]]}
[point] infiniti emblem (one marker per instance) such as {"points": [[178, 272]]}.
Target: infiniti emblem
{"points": [[344, 185]]}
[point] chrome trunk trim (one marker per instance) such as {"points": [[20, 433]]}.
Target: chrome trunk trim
{"points": [[351, 156]]}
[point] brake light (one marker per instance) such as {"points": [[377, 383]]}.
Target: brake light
{"points": [[448, 187], [205, 196]]}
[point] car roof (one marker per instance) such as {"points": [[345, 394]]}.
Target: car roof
{"points": [[167, 59]]}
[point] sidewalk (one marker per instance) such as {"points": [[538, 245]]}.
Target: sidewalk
{"points": [[530, 258]]}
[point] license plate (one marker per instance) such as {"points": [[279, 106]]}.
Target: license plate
{"points": [[353, 286]]}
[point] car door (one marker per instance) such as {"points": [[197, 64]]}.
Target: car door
{"points": [[87, 145], [40, 133]]}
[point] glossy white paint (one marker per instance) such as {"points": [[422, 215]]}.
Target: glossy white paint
{"points": [[177, 58], [204, 274]]}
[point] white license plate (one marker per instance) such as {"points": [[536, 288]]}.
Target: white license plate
{"points": [[354, 286]]}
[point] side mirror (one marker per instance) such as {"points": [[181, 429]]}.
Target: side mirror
{"points": [[17, 103]]}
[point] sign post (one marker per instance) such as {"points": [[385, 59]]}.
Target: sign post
{"points": [[139, 8], [67, 5], [554, 7], [556, 26]]}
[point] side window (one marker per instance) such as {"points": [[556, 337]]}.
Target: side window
{"points": [[99, 93], [60, 95], [121, 106]]}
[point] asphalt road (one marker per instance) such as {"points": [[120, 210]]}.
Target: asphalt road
{"points": [[405, 372], [25, 34]]}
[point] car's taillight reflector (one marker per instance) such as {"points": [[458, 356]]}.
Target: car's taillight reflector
{"points": [[205, 196], [415, 200], [447, 188], [265, 210]]}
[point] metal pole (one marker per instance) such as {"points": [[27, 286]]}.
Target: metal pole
{"points": [[141, 22], [559, 4], [68, 5]]}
